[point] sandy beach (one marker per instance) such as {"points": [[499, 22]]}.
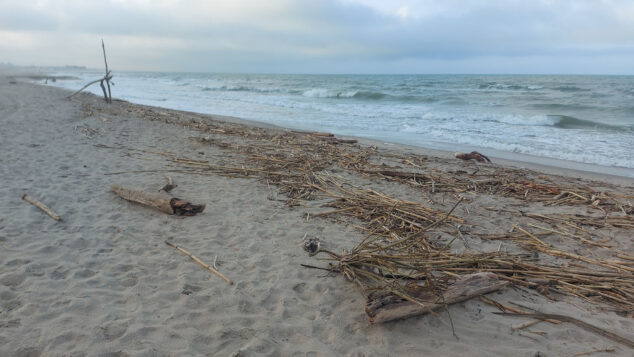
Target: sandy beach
{"points": [[102, 282]]}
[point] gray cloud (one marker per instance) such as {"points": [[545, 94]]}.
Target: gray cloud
{"points": [[323, 35]]}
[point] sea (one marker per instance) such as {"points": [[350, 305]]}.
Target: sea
{"points": [[583, 119]]}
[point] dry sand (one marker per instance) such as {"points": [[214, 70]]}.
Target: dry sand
{"points": [[103, 283]]}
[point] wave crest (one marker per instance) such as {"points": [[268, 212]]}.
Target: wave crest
{"points": [[328, 93]]}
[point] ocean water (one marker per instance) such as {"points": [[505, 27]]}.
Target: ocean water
{"points": [[587, 119]]}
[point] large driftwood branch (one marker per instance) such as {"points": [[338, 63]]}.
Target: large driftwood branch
{"points": [[84, 87], [383, 307], [160, 202], [105, 78]]}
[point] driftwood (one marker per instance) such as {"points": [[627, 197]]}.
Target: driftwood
{"points": [[474, 155], [206, 266], [107, 76], [382, 306], [162, 203], [335, 141], [41, 206], [107, 95]]}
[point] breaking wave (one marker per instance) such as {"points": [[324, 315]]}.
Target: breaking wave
{"points": [[327, 93], [569, 122]]}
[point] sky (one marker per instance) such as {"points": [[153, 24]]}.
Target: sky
{"points": [[324, 36]]}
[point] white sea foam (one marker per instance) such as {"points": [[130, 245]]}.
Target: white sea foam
{"points": [[328, 93]]}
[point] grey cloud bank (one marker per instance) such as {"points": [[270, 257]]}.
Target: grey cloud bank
{"points": [[325, 36]]}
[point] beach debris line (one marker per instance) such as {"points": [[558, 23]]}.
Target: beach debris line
{"points": [[298, 153], [41, 206], [107, 95], [206, 266], [399, 254], [166, 204]]}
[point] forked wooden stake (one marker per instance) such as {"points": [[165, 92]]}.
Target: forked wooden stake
{"points": [[41, 206], [107, 95], [206, 266]]}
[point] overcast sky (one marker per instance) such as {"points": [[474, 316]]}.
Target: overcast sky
{"points": [[324, 36]]}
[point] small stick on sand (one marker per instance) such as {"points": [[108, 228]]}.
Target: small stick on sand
{"points": [[525, 324], [41, 206], [169, 186], [199, 262], [582, 324]]}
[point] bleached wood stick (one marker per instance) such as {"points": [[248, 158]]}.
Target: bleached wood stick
{"points": [[41, 206], [84, 87], [206, 266]]}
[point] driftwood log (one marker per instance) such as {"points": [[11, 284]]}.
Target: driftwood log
{"points": [[336, 141], [382, 306], [163, 203], [314, 133]]}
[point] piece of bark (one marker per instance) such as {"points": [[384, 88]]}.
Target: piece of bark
{"points": [[41, 206], [383, 307], [163, 203], [474, 155]]}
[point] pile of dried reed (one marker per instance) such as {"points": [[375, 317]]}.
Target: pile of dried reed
{"points": [[397, 256]]}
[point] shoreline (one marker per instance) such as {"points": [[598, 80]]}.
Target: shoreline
{"points": [[611, 174], [614, 174]]}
